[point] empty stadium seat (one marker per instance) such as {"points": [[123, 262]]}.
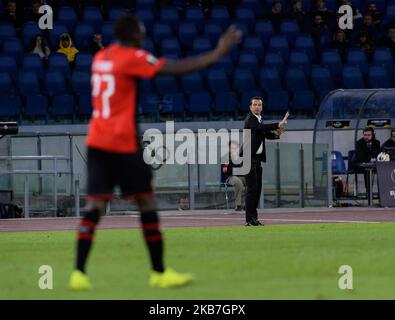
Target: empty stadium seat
{"points": [[166, 85], [217, 80], [303, 101], [357, 57], [169, 16], [170, 46], [14, 48], [10, 107], [352, 78], [193, 14], [85, 105], [145, 4], [7, 31], [249, 61], [300, 59], [115, 12], [149, 45], [173, 103], [80, 82], [378, 77], [161, 31], [321, 79], [277, 101], [63, 107], [213, 31], [243, 80], [330, 58], [192, 83], [37, 107], [33, 62], [296, 79], [83, 35], [92, 16], [186, 33], [225, 102], [199, 103], [8, 64], [275, 60], [270, 80], [246, 16], [200, 45], [58, 62], [382, 56], [68, 17], [305, 43], [225, 64], [148, 18], [6, 85], [220, 14], [29, 31], [253, 44], [264, 30], [83, 61], [150, 104], [145, 86], [290, 29], [55, 83], [279, 44], [28, 83]]}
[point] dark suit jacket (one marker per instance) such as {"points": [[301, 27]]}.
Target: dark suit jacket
{"points": [[363, 154], [259, 133]]}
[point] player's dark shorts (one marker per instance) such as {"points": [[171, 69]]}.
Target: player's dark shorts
{"points": [[127, 170]]}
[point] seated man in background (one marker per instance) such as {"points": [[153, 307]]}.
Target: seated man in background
{"points": [[389, 146], [366, 149], [238, 182]]}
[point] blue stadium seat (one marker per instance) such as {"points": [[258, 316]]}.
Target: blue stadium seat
{"points": [[382, 56], [352, 78], [213, 31], [8, 64], [85, 105], [378, 77], [192, 83], [275, 60], [255, 5], [6, 85], [145, 4], [29, 31], [115, 12], [296, 79], [246, 16], [54, 35], [243, 80], [33, 62], [37, 106], [55, 83], [148, 18], [290, 29], [325, 40], [253, 44], [83, 35], [200, 45], [193, 14], [173, 103], [68, 17], [249, 61], [270, 80], [81, 82], [83, 61], [264, 30], [170, 46], [303, 101], [161, 31], [225, 102], [300, 59], [220, 14], [217, 80], [245, 99], [145, 86], [186, 33], [169, 16], [330, 58], [14, 48], [321, 79], [279, 44], [357, 57], [63, 107], [277, 101], [58, 62], [166, 85], [92, 16], [199, 103], [305, 43], [10, 107], [28, 83], [7, 31], [225, 64], [149, 45], [150, 103], [390, 13]]}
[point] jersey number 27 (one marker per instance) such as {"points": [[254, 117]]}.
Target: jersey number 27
{"points": [[97, 80]]}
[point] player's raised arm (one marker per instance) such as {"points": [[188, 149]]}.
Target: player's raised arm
{"points": [[231, 37]]}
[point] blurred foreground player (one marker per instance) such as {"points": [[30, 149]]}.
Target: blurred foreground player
{"points": [[114, 154]]}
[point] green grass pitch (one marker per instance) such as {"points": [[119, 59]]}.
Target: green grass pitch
{"points": [[271, 262]]}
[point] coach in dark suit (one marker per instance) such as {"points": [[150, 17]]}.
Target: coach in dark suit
{"points": [[259, 133]]}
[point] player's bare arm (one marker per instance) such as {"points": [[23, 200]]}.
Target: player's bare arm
{"points": [[231, 37]]}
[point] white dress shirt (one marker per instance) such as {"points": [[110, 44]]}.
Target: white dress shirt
{"points": [[260, 149]]}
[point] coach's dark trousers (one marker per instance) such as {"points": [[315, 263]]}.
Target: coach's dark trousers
{"points": [[254, 188]]}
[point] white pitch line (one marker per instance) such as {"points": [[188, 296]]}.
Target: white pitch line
{"points": [[281, 220]]}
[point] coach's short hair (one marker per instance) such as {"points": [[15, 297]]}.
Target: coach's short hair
{"points": [[256, 98], [126, 28]]}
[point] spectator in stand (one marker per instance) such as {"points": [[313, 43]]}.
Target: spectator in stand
{"points": [[376, 15], [183, 203], [390, 41], [97, 43], [357, 14], [366, 44], [341, 44], [298, 14], [318, 29], [66, 47], [40, 47], [369, 27], [327, 15], [33, 14], [11, 15], [276, 15]]}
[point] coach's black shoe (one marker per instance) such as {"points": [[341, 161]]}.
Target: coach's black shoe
{"points": [[248, 224], [256, 222], [238, 208]]}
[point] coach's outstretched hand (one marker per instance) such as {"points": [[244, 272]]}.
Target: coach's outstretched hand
{"points": [[229, 38], [283, 122]]}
